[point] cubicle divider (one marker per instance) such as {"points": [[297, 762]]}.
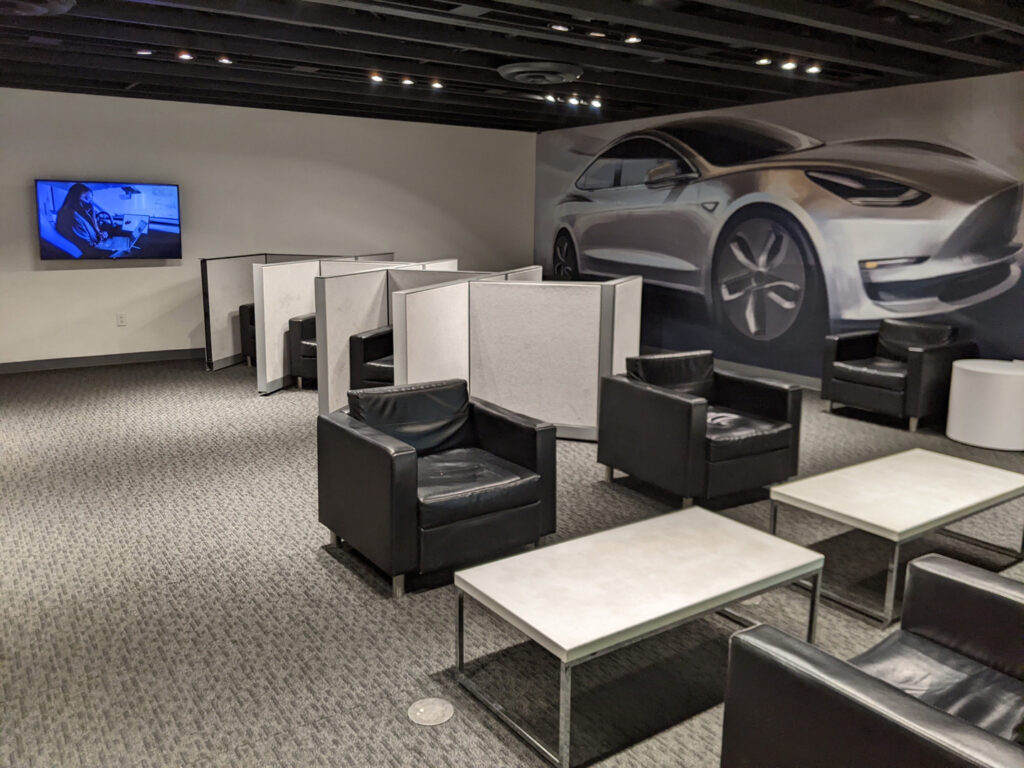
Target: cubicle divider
{"points": [[357, 302], [227, 283]]}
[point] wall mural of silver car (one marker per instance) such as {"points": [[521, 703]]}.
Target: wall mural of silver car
{"points": [[781, 232]]}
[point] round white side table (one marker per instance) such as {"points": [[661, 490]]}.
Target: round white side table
{"points": [[986, 404]]}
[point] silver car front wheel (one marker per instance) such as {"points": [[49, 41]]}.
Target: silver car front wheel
{"points": [[763, 275], [563, 260]]}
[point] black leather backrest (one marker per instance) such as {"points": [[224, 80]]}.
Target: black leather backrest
{"points": [[247, 314], [896, 336], [430, 417], [692, 373]]}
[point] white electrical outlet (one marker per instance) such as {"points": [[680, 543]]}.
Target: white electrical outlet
{"points": [[122, 319]]}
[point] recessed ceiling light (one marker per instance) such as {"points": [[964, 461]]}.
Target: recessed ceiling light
{"points": [[437, 84], [595, 103], [559, 27], [225, 60], [788, 65], [574, 100], [633, 39], [408, 81], [596, 33], [813, 69], [549, 97], [144, 52], [764, 61], [185, 56], [377, 78]]}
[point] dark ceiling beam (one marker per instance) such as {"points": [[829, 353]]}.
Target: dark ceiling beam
{"points": [[707, 71], [982, 11], [175, 72], [842, 21], [632, 16], [63, 85], [543, 118], [71, 29]]}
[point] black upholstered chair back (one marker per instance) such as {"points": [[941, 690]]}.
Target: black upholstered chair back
{"points": [[690, 373], [430, 417], [895, 337]]}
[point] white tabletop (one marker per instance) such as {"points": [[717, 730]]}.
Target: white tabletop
{"points": [[903, 495], [1002, 367], [588, 594]]}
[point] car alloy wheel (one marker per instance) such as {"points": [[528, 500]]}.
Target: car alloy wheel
{"points": [[761, 278], [563, 262]]}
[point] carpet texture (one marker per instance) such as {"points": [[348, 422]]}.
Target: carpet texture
{"points": [[166, 598]]}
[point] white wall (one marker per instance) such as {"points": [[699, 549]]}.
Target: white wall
{"points": [[252, 181]]}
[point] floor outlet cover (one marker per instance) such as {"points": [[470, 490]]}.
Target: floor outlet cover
{"points": [[431, 711]]}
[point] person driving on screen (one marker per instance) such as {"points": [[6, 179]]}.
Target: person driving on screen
{"points": [[83, 222]]}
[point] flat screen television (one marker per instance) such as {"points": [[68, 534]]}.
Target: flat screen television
{"points": [[108, 220]]}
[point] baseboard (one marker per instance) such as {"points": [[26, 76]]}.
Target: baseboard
{"points": [[58, 363]]}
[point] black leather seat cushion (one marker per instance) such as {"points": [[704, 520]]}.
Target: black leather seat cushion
{"points": [[883, 372], [463, 483], [308, 347], [732, 434], [948, 681], [430, 417], [382, 369]]}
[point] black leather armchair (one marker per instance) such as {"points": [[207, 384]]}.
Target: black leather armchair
{"points": [[902, 369], [247, 331], [676, 423], [421, 479], [302, 347], [944, 691], [372, 358]]}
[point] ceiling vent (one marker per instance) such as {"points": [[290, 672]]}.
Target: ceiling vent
{"points": [[540, 72], [35, 7]]}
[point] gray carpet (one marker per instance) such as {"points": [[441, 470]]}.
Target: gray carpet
{"points": [[166, 598]]}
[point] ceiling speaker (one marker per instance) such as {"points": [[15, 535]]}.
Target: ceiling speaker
{"points": [[540, 72], [35, 7]]}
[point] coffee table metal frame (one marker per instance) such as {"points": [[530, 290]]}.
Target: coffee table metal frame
{"points": [[561, 756], [888, 614]]}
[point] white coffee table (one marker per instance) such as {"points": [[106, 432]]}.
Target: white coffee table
{"points": [[986, 404], [901, 498], [587, 597]]}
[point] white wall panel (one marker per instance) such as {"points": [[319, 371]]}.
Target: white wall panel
{"points": [[535, 348], [626, 321], [228, 285], [282, 291], [431, 333], [345, 305]]}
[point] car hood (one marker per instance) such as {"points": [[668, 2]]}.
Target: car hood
{"points": [[931, 168]]}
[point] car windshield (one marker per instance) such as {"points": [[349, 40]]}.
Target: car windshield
{"points": [[725, 143]]}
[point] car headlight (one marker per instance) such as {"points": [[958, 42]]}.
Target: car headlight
{"points": [[861, 189]]}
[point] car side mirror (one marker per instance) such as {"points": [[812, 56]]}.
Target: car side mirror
{"points": [[668, 172]]}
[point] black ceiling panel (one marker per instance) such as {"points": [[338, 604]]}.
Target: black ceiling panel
{"points": [[638, 59]]}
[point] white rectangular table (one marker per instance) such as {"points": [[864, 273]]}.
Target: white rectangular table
{"points": [[586, 597], [900, 498]]}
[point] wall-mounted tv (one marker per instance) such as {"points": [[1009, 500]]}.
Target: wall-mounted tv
{"points": [[108, 220]]}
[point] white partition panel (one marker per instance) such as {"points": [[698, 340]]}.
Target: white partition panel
{"points": [[442, 264], [281, 291], [330, 268], [431, 333], [345, 305], [227, 284], [534, 274], [408, 279], [628, 292], [536, 348]]}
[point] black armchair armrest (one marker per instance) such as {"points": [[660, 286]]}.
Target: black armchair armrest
{"points": [[763, 397], [653, 433], [972, 611], [522, 440], [845, 346], [367, 491], [928, 373], [791, 705]]}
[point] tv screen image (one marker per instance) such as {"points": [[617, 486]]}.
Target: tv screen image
{"points": [[108, 220]]}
